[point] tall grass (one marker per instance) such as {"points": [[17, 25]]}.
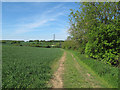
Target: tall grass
{"points": [[105, 71]]}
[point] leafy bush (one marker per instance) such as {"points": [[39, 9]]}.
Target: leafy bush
{"points": [[104, 44], [2, 41], [95, 30], [48, 46]]}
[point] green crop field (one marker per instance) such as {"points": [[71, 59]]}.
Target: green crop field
{"points": [[27, 67], [51, 45]]}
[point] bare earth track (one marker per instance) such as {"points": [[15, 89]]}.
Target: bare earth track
{"points": [[85, 77], [57, 77]]}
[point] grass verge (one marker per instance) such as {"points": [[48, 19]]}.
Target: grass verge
{"points": [[106, 73], [76, 75]]}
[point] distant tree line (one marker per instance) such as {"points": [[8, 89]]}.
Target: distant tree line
{"points": [[46, 41], [95, 31], [34, 43], [11, 41]]}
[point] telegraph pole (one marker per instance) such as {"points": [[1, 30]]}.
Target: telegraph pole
{"points": [[54, 37]]}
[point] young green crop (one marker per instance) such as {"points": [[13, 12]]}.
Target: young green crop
{"points": [[27, 67]]}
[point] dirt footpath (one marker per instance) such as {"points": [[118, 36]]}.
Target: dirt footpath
{"points": [[57, 77]]}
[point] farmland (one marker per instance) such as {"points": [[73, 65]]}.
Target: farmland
{"points": [[60, 45], [34, 67], [27, 67]]}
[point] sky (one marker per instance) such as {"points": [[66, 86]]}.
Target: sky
{"points": [[36, 20]]}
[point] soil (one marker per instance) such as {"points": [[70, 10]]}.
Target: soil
{"points": [[57, 81]]}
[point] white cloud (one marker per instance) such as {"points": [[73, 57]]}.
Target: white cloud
{"points": [[38, 21], [54, 8], [30, 27]]}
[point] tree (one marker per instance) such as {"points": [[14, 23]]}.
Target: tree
{"points": [[95, 28], [36, 40], [30, 40]]}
